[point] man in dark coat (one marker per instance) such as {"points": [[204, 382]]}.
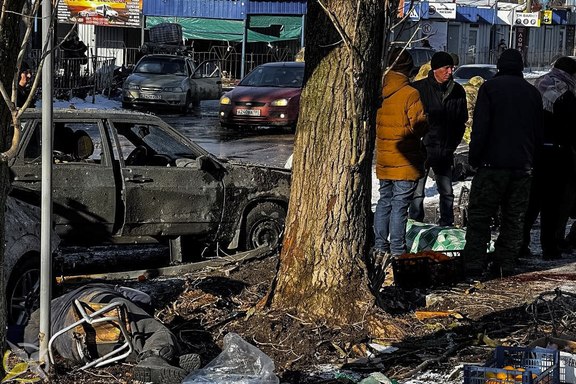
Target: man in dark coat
{"points": [[552, 186], [506, 130], [445, 105]]}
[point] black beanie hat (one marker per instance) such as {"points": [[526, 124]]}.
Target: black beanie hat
{"points": [[510, 60], [441, 59], [404, 64], [566, 64]]}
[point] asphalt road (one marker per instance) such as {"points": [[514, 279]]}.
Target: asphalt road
{"points": [[269, 146]]}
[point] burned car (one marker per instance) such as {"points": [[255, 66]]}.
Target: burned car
{"points": [[22, 259], [129, 177]]}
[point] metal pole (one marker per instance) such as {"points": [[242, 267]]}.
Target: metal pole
{"points": [[244, 42], [46, 202], [302, 42], [511, 27]]}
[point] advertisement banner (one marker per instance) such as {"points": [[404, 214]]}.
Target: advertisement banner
{"points": [[445, 11], [118, 13]]}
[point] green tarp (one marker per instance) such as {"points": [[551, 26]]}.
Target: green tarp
{"points": [[233, 30], [424, 237]]}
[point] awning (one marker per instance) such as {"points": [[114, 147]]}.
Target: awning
{"points": [[280, 28]]}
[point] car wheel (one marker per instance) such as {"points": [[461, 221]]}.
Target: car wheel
{"points": [[265, 225], [23, 290]]}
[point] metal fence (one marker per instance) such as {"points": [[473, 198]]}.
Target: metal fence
{"points": [[230, 60], [96, 73], [78, 76], [532, 59]]}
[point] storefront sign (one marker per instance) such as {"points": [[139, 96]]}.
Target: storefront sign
{"points": [[118, 13], [525, 19], [446, 11], [547, 17], [521, 38]]}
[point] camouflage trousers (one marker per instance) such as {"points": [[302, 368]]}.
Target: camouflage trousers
{"points": [[494, 189]]}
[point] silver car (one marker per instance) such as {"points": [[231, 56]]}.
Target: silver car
{"points": [[171, 81]]}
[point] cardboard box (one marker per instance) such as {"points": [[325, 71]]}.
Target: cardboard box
{"points": [[567, 349]]}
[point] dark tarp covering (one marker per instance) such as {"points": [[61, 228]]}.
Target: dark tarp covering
{"points": [[233, 30]]}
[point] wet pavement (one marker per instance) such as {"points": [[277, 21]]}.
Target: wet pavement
{"points": [[268, 146]]}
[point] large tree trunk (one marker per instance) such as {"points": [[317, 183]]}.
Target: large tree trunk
{"points": [[322, 271], [10, 38]]}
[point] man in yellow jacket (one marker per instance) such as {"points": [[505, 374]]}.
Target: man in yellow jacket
{"points": [[400, 125]]}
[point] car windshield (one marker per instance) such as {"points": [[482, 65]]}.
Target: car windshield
{"points": [[469, 72], [274, 76], [161, 65]]}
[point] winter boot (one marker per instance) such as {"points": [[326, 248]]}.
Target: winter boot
{"points": [[157, 370], [190, 362]]}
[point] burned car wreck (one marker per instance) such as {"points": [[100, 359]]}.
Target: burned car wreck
{"points": [[22, 259], [126, 177]]}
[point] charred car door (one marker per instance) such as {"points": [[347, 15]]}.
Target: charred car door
{"points": [[207, 80], [170, 189], [83, 185]]}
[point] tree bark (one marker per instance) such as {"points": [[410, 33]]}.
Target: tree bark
{"points": [[10, 38], [322, 274]]}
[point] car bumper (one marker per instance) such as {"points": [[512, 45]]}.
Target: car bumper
{"points": [[156, 98], [271, 116]]}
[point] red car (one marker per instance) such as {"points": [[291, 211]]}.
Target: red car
{"points": [[267, 96]]}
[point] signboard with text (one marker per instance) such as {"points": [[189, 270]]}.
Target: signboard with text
{"points": [[442, 11], [118, 13], [527, 19]]}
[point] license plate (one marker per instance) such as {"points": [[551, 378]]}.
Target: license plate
{"points": [[151, 96], [248, 112]]}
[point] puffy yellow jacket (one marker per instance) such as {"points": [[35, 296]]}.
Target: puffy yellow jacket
{"points": [[400, 125]]}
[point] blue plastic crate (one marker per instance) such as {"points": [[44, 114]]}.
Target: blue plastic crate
{"points": [[540, 361]]}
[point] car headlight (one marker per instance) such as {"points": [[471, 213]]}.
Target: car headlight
{"points": [[225, 100], [279, 103], [173, 89], [132, 87]]}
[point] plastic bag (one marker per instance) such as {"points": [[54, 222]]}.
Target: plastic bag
{"points": [[238, 363]]}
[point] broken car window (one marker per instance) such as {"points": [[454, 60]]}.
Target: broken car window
{"points": [[148, 144], [73, 142]]}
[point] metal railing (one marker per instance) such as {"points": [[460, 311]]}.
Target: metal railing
{"points": [[95, 74], [78, 76], [532, 59]]}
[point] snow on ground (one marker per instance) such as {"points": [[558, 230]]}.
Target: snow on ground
{"points": [[99, 102]]}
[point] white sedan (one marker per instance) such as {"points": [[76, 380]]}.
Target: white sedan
{"points": [[465, 72]]}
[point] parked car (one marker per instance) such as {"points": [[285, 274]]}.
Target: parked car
{"points": [[22, 259], [267, 96], [465, 72], [127, 177], [420, 56], [171, 81]]}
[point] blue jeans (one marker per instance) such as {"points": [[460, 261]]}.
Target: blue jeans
{"points": [[443, 176], [392, 214]]}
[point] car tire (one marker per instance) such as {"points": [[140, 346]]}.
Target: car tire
{"points": [[265, 225], [23, 290]]}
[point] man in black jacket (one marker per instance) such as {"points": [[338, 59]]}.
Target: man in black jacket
{"points": [[506, 130], [552, 191], [445, 105]]}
